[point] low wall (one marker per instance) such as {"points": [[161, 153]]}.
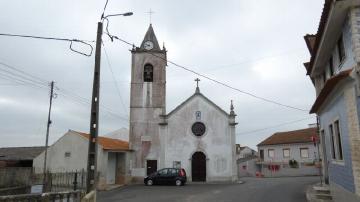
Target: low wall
{"points": [[15, 190], [15, 176], [74, 196], [247, 168], [284, 170]]}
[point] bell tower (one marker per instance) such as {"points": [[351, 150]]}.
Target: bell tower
{"points": [[147, 103]]}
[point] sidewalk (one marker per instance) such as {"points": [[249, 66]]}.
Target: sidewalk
{"points": [[318, 193]]}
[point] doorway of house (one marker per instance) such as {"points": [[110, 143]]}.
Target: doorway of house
{"points": [[151, 166], [111, 168], [198, 167]]}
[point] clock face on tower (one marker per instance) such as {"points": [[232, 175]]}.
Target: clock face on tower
{"points": [[148, 45]]}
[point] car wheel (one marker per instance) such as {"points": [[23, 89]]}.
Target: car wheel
{"points": [[178, 182], [149, 183]]}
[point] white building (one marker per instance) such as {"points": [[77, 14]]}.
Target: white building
{"points": [[197, 135], [245, 151], [200, 137], [290, 153], [70, 153]]}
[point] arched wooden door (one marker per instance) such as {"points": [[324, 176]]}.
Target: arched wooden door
{"points": [[198, 167]]}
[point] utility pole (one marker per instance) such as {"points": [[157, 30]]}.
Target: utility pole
{"points": [[91, 180], [47, 137]]}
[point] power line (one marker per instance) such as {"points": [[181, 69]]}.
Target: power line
{"points": [[21, 77], [84, 101], [86, 42], [106, 3], [42, 37], [18, 70], [113, 77], [87, 103], [14, 78], [274, 126], [218, 82], [11, 84], [255, 59]]}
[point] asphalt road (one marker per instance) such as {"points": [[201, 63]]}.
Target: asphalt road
{"points": [[252, 190]]}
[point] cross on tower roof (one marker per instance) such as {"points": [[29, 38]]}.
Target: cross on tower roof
{"points": [[150, 12], [197, 82], [197, 85]]}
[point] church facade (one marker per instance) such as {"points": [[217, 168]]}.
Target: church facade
{"points": [[197, 135]]}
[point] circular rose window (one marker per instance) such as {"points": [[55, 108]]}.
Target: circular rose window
{"points": [[198, 128]]}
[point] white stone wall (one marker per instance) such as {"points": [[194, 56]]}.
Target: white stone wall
{"points": [[147, 103], [247, 168], [57, 162], [218, 142], [78, 148]]}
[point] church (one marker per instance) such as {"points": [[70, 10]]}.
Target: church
{"points": [[197, 135]]}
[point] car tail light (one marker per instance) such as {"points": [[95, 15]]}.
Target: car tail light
{"points": [[182, 173]]}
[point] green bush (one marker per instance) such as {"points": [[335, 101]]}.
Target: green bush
{"points": [[293, 163]]}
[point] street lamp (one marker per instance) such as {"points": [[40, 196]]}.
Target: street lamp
{"points": [[91, 180], [121, 14]]}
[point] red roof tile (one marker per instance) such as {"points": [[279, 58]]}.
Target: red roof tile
{"points": [[290, 137], [327, 89], [109, 143]]}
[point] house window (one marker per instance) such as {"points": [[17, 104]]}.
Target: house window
{"points": [[331, 66], [341, 49], [271, 153], [331, 130], [176, 164], [148, 73], [67, 154], [338, 140], [304, 152], [286, 153]]}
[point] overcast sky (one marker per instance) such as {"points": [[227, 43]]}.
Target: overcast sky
{"points": [[256, 46]]}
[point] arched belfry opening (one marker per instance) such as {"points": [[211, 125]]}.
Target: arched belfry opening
{"points": [[148, 73], [198, 167]]}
